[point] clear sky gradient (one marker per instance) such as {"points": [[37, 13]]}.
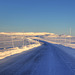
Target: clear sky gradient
{"points": [[54, 16]]}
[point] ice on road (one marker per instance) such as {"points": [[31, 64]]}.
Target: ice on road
{"points": [[44, 60]]}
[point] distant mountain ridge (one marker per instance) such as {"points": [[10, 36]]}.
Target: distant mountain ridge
{"points": [[35, 34]]}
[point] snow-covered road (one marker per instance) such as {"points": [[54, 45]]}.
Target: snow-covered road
{"points": [[44, 60]]}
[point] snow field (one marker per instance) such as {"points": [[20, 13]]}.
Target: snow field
{"points": [[17, 50]]}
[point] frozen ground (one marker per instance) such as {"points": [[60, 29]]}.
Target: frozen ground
{"points": [[53, 56], [10, 45]]}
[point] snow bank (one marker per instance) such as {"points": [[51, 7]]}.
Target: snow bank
{"points": [[68, 42], [16, 50]]}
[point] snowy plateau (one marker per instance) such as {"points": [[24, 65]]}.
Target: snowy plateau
{"points": [[36, 53]]}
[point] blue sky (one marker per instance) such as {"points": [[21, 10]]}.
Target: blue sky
{"points": [[55, 16]]}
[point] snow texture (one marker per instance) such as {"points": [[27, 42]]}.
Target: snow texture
{"points": [[45, 57]]}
